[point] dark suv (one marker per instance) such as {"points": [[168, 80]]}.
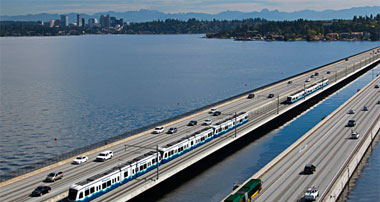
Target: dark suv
{"points": [[271, 95], [251, 95], [351, 123], [217, 113], [309, 169], [192, 123], [40, 190], [54, 176]]}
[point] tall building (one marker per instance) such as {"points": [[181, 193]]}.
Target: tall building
{"points": [[83, 22], [91, 22], [64, 20], [107, 22], [102, 20], [113, 21], [79, 20]]}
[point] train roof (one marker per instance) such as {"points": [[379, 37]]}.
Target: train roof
{"points": [[97, 176], [225, 120], [201, 131], [144, 156]]}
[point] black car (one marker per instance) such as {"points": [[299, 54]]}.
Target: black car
{"points": [[328, 72], [271, 95], [41, 190], [217, 113], [192, 123], [172, 130], [251, 95], [351, 123], [309, 169]]}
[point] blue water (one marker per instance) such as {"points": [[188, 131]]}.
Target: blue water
{"points": [[83, 89]]}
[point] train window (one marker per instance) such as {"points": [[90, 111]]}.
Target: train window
{"points": [[192, 143], [109, 183], [118, 178], [145, 166], [81, 195], [104, 185], [87, 192], [126, 174], [141, 167], [166, 155], [92, 190], [113, 181], [154, 161]]}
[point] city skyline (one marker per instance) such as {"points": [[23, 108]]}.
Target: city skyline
{"points": [[23, 7]]}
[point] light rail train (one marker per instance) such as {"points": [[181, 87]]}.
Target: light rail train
{"points": [[101, 183], [307, 91]]}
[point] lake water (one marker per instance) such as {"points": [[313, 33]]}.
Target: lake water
{"points": [[84, 89]]}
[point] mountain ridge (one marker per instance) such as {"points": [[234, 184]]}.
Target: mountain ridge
{"points": [[145, 15]]}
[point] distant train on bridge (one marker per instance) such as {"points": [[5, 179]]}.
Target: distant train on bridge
{"points": [[307, 91], [101, 183]]}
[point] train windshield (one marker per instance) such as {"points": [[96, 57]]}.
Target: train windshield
{"points": [[72, 194]]}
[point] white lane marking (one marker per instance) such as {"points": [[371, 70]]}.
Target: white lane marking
{"points": [[303, 148]]}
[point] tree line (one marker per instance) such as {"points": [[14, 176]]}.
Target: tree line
{"points": [[256, 28]]}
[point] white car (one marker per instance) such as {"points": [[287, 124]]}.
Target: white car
{"points": [[207, 122], [80, 159], [352, 111], [158, 130], [307, 80], [355, 135], [212, 111], [104, 155], [311, 194]]}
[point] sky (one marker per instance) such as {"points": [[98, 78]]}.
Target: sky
{"points": [[22, 7]]}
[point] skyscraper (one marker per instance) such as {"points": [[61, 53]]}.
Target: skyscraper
{"points": [[79, 20], [64, 20], [91, 22], [107, 22], [102, 20], [83, 22]]}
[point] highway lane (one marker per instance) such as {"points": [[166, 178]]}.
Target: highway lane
{"points": [[73, 173], [328, 147]]}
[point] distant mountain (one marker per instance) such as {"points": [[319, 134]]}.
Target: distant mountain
{"points": [[149, 15]]}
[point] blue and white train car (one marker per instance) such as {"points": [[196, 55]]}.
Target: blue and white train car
{"points": [[240, 119], [146, 162], [203, 136], [222, 127], [174, 149], [307, 91], [95, 186]]}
